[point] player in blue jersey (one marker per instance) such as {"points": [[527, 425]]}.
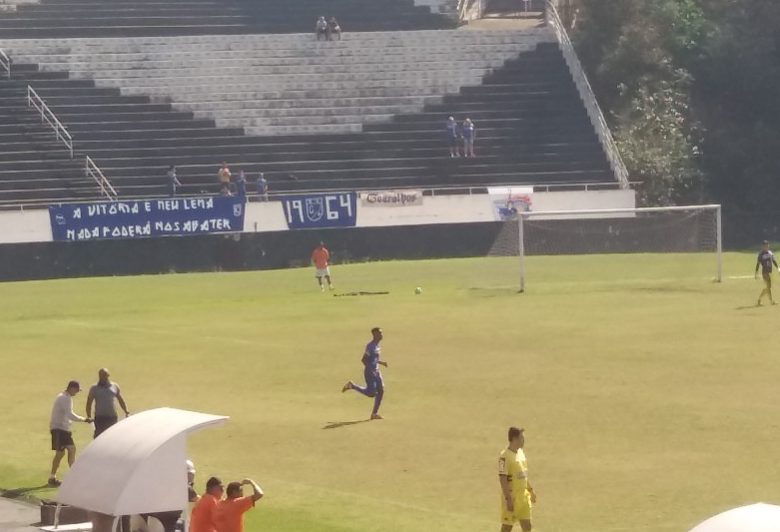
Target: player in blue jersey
{"points": [[766, 260], [375, 387]]}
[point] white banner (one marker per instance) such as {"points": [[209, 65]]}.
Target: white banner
{"points": [[509, 201], [392, 198]]}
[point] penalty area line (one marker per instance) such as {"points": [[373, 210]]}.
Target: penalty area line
{"points": [[740, 277]]}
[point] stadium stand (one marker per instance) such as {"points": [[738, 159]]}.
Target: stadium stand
{"points": [[124, 18], [33, 164], [364, 112]]}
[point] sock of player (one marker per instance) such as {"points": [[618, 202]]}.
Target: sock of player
{"points": [[378, 401]]}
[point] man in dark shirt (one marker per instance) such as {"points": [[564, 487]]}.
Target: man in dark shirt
{"points": [[766, 260]]}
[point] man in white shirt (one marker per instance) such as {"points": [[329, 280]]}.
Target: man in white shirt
{"points": [[62, 415]]}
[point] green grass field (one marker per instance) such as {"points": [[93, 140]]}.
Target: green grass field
{"points": [[648, 392]]}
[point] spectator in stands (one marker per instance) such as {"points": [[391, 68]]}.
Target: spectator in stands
{"points": [[452, 136], [173, 181], [333, 28], [241, 184], [469, 131], [321, 28], [262, 187], [224, 176]]}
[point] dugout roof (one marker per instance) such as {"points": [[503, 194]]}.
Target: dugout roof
{"points": [[136, 466], [754, 518]]}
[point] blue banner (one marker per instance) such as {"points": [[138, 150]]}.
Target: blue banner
{"points": [[316, 211], [147, 218]]}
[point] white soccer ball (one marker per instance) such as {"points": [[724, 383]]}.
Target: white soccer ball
{"points": [[418, 290]]}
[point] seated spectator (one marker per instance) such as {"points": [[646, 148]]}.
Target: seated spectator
{"points": [[453, 136], [322, 28], [262, 188], [333, 28]]}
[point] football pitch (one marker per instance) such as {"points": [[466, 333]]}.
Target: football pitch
{"points": [[648, 392]]}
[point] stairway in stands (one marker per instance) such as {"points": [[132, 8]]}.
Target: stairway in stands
{"points": [[532, 129], [33, 163], [51, 19]]}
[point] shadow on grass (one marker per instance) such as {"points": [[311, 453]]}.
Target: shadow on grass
{"points": [[748, 307], [339, 424], [22, 493]]}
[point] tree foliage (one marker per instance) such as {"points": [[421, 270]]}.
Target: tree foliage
{"points": [[692, 92]]}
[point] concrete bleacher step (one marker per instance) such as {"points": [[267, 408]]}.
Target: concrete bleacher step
{"points": [[134, 18], [366, 112]]}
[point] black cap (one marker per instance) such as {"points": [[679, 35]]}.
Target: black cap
{"points": [[73, 384]]}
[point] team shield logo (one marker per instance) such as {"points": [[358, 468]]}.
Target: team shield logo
{"points": [[315, 209], [237, 209]]}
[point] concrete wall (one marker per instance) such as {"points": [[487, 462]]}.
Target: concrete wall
{"points": [[262, 217], [450, 209], [25, 226]]}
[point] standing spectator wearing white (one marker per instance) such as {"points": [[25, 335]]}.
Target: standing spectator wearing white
{"points": [[321, 28], [469, 132], [453, 136], [173, 181], [62, 415], [262, 187]]}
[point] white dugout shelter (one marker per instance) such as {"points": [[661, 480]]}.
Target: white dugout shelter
{"points": [[754, 518], [136, 466]]}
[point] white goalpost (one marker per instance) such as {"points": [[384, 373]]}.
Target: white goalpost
{"points": [[689, 229]]}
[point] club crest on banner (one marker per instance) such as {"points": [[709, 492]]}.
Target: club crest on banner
{"points": [[315, 209]]}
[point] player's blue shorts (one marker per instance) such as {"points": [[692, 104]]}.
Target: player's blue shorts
{"points": [[374, 382]]}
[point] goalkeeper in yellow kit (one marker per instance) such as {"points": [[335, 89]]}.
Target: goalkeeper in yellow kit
{"points": [[517, 495]]}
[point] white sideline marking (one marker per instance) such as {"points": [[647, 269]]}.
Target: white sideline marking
{"points": [[740, 277]]}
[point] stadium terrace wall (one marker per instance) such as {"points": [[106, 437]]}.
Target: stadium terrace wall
{"points": [[443, 226], [243, 251]]}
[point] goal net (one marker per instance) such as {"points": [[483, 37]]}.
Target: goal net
{"points": [[653, 244]]}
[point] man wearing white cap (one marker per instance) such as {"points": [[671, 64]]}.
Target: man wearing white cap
{"points": [[192, 495], [62, 415]]}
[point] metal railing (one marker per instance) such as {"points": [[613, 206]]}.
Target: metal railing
{"points": [[587, 95], [5, 63], [463, 190], [106, 188], [466, 9], [33, 100]]}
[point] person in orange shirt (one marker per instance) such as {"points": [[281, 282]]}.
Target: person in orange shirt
{"points": [[225, 177], [230, 512], [320, 257], [204, 513]]}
